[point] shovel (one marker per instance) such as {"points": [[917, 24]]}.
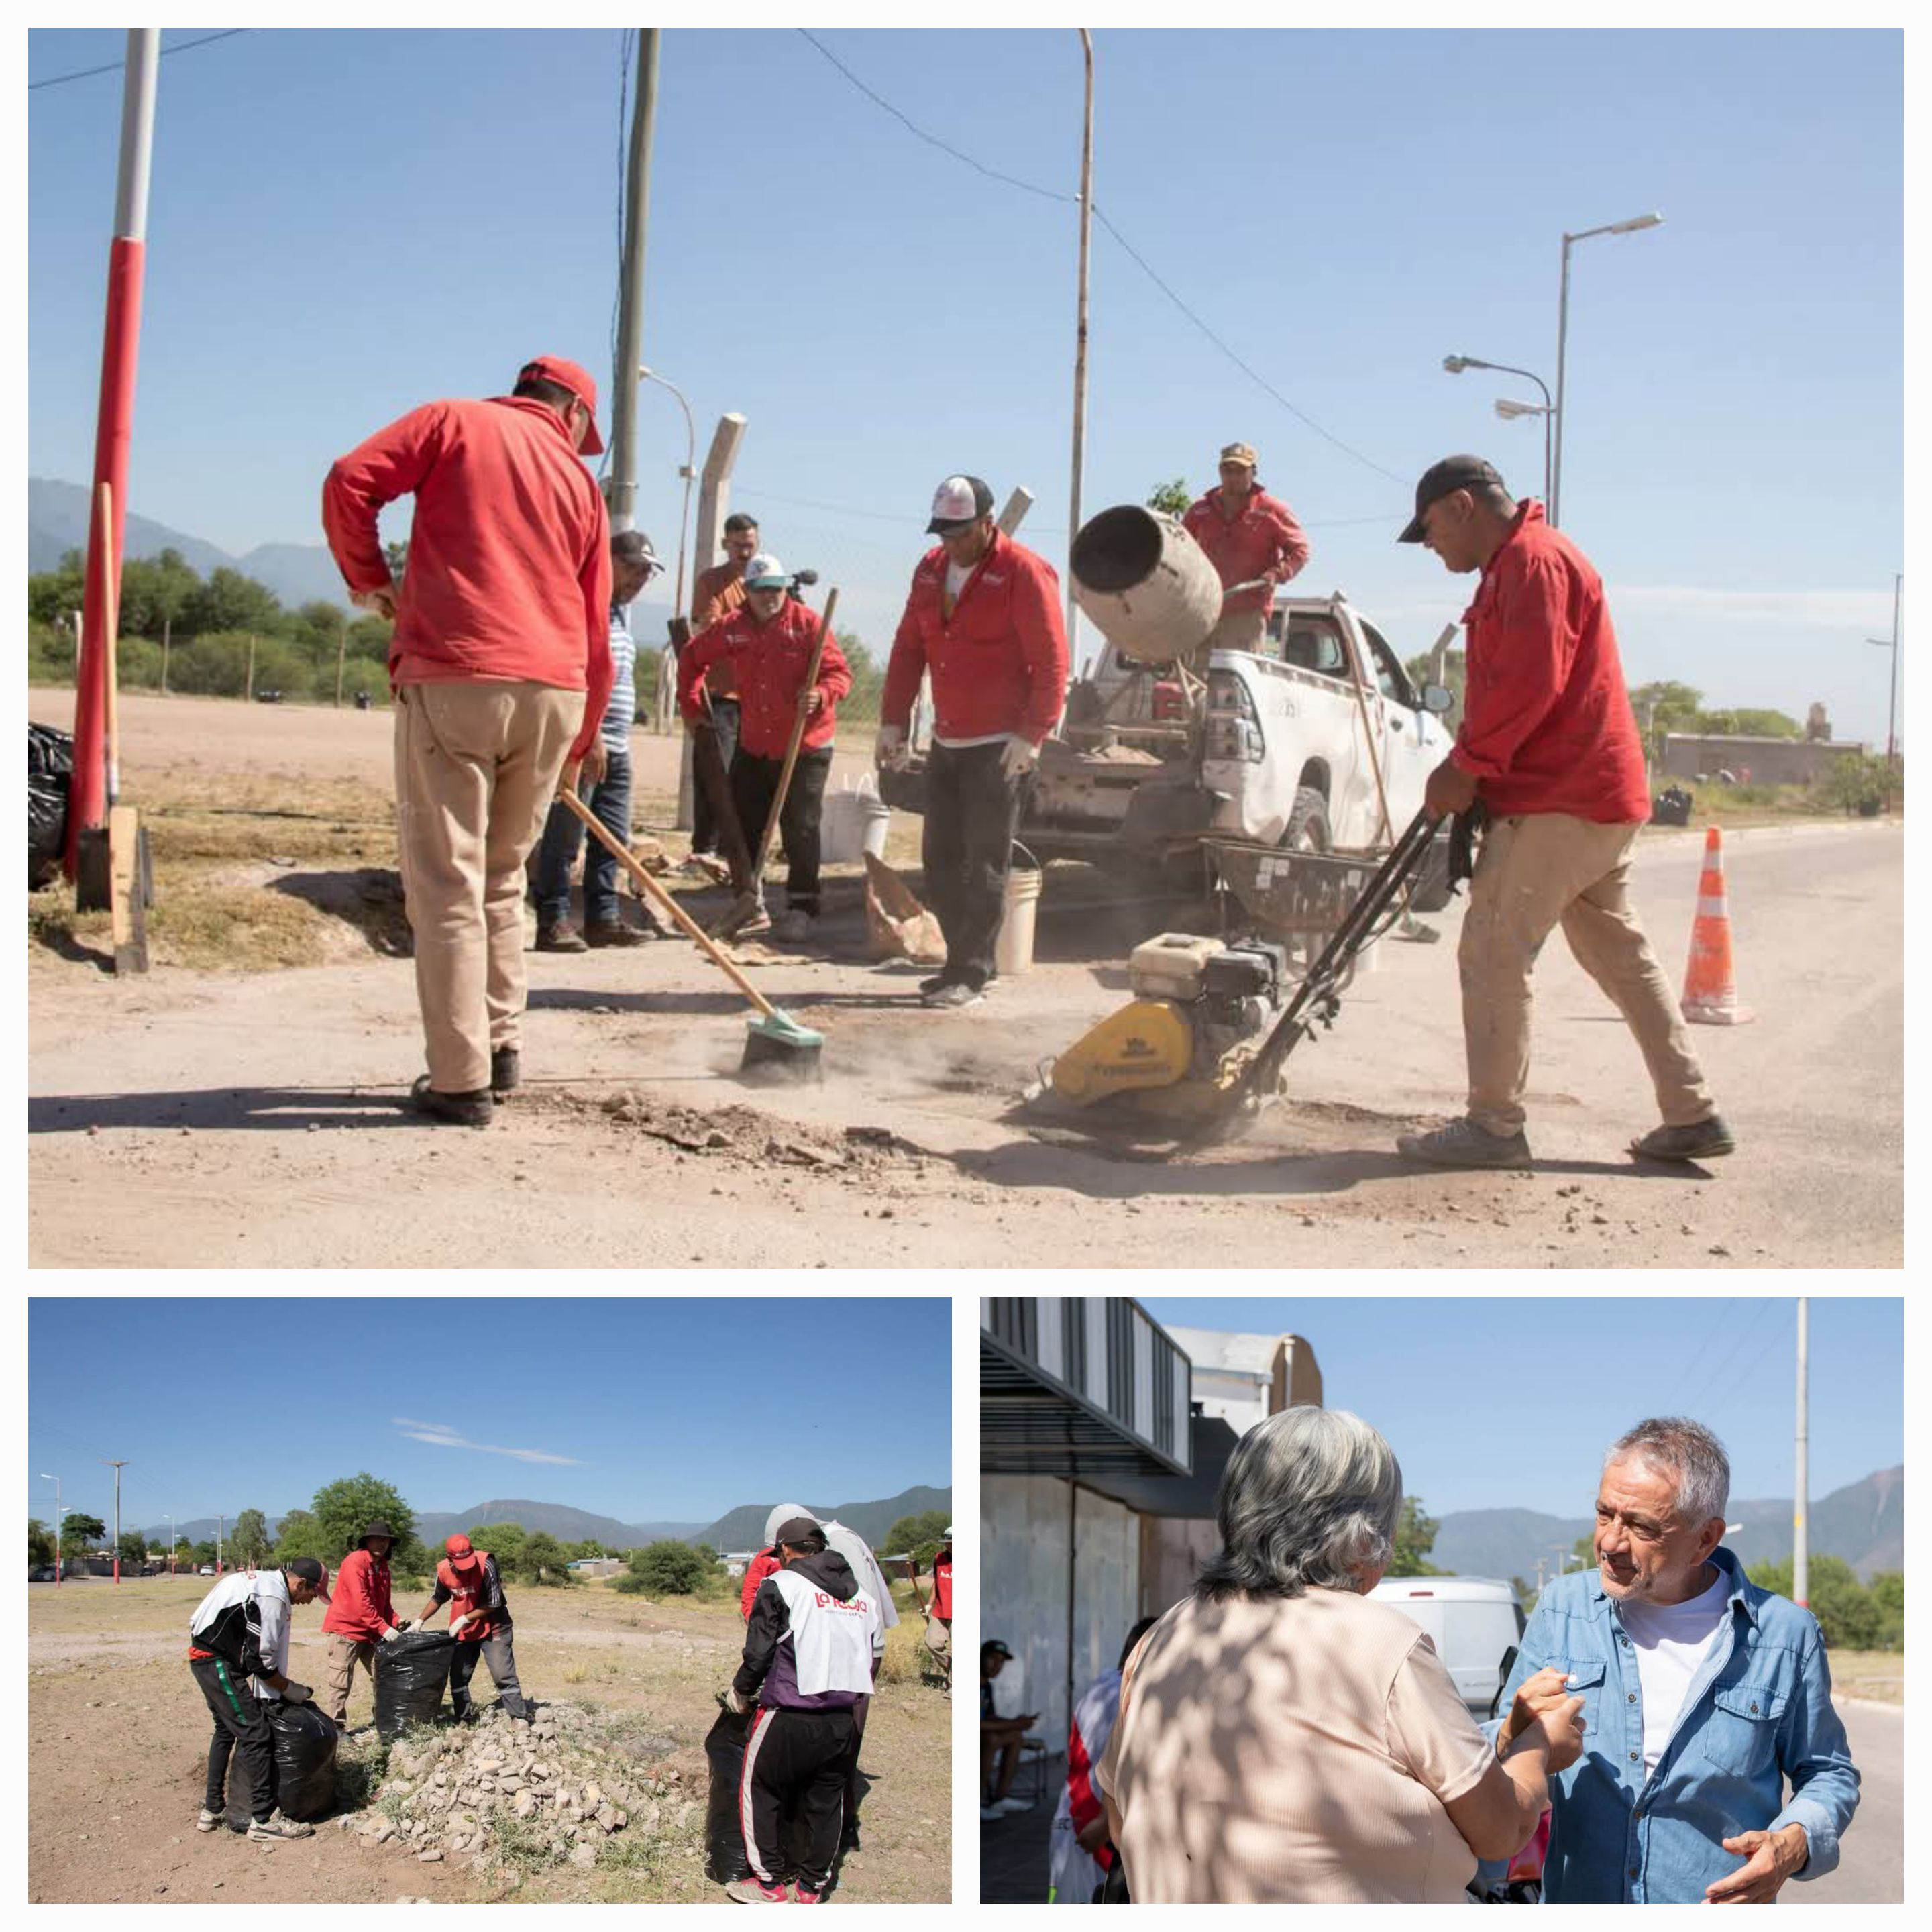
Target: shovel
{"points": [[773, 1038]]}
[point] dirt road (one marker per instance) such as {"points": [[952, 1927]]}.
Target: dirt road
{"points": [[238, 1119], [119, 1744]]}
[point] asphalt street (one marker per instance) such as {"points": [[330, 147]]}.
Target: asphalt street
{"points": [[1871, 1863]]}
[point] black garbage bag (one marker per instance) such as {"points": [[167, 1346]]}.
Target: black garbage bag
{"points": [[724, 1860], [50, 752], [411, 1674], [46, 829], [302, 1766]]}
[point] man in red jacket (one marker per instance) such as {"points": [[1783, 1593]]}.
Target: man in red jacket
{"points": [[1549, 743], [500, 663], [983, 620], [360, 1616], [769, 643], [1251, 539]]}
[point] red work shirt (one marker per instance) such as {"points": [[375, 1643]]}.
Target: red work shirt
{"points": [[998, 661], [769, 662], [942, 1584], [1546, 723], [765, 1564], [1264, 540], [508, 577], [359, 1605]]}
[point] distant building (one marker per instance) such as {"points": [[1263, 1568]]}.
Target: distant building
{"points": [[1692, 755], [1243, 1379], [598, 1566]]}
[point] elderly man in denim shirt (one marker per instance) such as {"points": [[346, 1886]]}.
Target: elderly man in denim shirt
{"points": [[1702, 1695]]}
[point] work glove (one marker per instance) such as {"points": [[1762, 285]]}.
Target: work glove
{"points": [[1018, 758], [390, 1636], [293, 1692], [894, 753], [732, 1702], [456, 1624]]}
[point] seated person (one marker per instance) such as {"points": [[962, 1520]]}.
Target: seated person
{"points": [[1000, 1738]]}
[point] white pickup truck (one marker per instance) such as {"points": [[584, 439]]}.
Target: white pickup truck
{"points": [[1271, 749]]}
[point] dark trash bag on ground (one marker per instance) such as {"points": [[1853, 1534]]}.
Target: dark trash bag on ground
{"points": [[725, 1859], [411, 1674], [304, 1761], [50, 773]]}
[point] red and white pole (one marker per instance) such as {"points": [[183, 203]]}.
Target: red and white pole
{"points": [[113, 435]]}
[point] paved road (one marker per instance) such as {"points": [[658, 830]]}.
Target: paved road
{"points": [[1871, 1867]]}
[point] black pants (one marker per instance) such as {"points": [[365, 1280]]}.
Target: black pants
{"points": [[703, 819], [496, 1650], [851, 1828], [800, 1754], [972, 812], [755, 784], [238, 1724]]}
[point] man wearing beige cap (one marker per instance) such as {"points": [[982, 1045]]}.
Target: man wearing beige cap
{"points": [[1252, 541], [500, 663]]}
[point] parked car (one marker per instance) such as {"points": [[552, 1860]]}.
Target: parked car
{"points": [[206, 1569], [1475, 1622], [45, 1574]]}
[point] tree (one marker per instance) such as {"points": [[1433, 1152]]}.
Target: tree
{"points": [[155, 592], [1847, 1611], [1454, 680], [545, 1560], [343, 1509], [203, 1552], [54, 595], [1856, 782], [79, 1533], [1664, 707], [1747, 723], [667, 1569], [1415, 1538], [1172, 499], [40, 1543], [229, 601], [588, 1548], [134, 1549], [920, 1535], [504, 1541], [249, 1540], [299, 1537]]}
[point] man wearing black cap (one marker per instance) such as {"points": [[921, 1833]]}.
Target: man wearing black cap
{"points": [[500, 663], [1000, 1738], [238, 1652], [1549, 744], [983, 620]]}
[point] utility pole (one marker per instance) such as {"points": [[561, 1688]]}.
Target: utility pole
{"points": [[117, 1468], [248, 691], [1801, 1532], [170, 1522], [341, 653], [59, 1517], [220, 1529], [1080, 324], [1891, 712], [622, 489]]}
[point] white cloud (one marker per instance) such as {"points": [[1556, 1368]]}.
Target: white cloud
{"points": [[440, 1435]]}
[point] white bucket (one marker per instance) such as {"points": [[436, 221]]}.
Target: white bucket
{"points": [[853, 822], [1012, 951]]}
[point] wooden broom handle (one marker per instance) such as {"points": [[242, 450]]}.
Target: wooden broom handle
{"points": [[791, 750]]}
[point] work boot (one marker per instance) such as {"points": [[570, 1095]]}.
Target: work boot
{"points": [[275, 1827], [208, 1821], [506, 1071], [755, 1892], [561, 937], [1702, 1140], [1462, 1144], [615, 932], [462, 1110]]}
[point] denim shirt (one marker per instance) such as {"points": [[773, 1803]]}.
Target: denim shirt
{"points": [[1758, 1712]]}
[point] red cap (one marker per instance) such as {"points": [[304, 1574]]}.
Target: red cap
{"points": [[573, 376], [461, 1553]]}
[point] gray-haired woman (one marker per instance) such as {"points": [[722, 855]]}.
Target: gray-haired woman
{"points": [[1282, 1739]]}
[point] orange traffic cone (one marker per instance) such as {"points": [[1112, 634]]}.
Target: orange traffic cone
{"points": [[1710, 989]]}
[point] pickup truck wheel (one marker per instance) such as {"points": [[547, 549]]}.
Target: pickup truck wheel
{"points": [[1307, 823]]}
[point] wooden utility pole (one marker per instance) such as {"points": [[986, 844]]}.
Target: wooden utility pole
{"points": [[117, 1468], [167, 631], [1080, 323], [622, 487], [341, 653], [248, 690]]}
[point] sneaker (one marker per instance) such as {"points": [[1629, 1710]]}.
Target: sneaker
{"points": [[801, 1894], [1462, 1144], [561, 937], [1702, 1140], [275, 1828], [989, 1812], [755, 1892], [615, 932], [506, 1071], [208, 1821], [794, 924], [1007, 1806], [953, 994], [461, 1110]]}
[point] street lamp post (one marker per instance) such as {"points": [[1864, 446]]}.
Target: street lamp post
{"points": [[1630, 227], [170, 1522], [688, 472], [59, 1516], [1891, 644], [1456, 365], [1080, 322]]}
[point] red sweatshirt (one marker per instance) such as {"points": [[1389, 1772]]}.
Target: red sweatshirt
{"points": [[509, 568], [765, 1564], [1263, 538], [1546, 723], [769, 661], [998, 662], [359, 1605]]}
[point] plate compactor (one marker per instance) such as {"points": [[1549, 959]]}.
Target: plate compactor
{"points": [[1201, 1044]]}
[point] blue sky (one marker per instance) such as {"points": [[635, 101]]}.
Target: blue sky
{"points": [[344, 223], [647, 1410], [1509, 1403]]}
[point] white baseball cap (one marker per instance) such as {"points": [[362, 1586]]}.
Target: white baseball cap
{"points": [[765, 572], [959, 501]]}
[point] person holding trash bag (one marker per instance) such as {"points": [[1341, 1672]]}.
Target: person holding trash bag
{"points": [[360, 1616], [466, 1579], [239, 1654], [808, 1661]]}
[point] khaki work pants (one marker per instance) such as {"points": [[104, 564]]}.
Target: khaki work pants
{"points": [[476, 767], [1234, 630], [1537, 871], [338, 1672]]}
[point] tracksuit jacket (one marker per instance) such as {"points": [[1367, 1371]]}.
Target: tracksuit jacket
{"points": [[808, 1644], [998, 662], [1265, 536], [769, 661], [244, 1620], [508, 576]]}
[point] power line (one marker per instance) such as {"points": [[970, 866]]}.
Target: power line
{"points": [[114, 67], [1049, 194]]}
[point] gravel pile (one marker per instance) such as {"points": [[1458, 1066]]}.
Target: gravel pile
{"points": [[552, 1791]]}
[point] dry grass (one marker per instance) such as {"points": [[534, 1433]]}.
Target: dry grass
{"points": [[1876, 1674]]}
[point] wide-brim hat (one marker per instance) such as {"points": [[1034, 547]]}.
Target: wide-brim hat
{"points": [[378, 1527]]}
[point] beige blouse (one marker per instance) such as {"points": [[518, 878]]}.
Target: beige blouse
{"points": [[1291, 1751]]}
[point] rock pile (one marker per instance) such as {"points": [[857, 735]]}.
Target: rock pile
{"points": [[552, 1792]]}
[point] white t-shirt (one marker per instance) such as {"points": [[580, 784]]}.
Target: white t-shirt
{"points": [[1671, 1641]]}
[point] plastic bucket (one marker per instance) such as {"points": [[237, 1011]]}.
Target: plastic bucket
{"points": [[1012, 951], [853, 822]]}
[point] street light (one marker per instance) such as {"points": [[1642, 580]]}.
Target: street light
{"points": [[59, 1516], [688, 472], [170, 1522], [1630, 227], [1456, 365], [1891, 644]]}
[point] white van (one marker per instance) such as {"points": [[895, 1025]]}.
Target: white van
{"points": [[1473, 1622]]}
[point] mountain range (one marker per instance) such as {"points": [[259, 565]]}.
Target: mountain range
{"points": [[1864, 1523], [740, 1529]]}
